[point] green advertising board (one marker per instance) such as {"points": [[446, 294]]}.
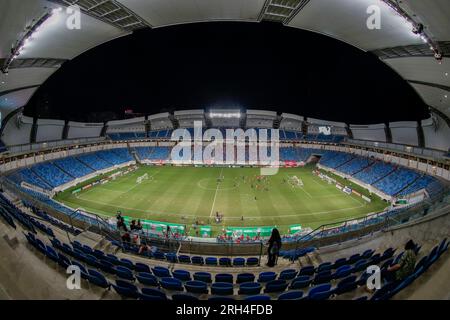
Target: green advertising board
{"points": [[76, 191], [293, 229], [265, 231], [205, 231], [156, 226]]}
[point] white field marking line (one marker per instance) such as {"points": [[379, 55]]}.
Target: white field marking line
{"points": [[199, 184], [230, 218], [120, 191], [307, 193], [215, 194], [139, 184]]}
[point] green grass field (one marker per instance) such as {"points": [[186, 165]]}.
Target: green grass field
{"points": [[187, 194]]}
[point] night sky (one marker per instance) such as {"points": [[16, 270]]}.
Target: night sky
{"points": [[228, 64]]}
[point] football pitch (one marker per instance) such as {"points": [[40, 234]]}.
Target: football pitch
{"points": [[189, 194]]}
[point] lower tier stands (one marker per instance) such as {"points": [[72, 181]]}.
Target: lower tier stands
{"points": [[73, 166], [334, 159], [336, 279], [388, 178], [51, 174], [423, 182], [112, 156], [396, 181], [355, 165], [28, 176], [296, 154], [375, 172], [94, 162]]}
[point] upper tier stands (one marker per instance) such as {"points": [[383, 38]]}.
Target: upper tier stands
{"points": [[51, 174], [423, 182], [324, 138], [73, 166], [283, 135], [120, 136], [396, 181], [162, 134]]}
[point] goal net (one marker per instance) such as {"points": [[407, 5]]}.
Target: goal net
{"points": [[142, 178], [295, 181]]}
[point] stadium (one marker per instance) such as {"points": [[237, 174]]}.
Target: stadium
{"points": [[183, 203]]}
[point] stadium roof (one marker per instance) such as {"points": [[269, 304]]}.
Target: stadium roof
{"points": [[409, 54]]}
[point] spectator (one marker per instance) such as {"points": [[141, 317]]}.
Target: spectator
{"points": [[274, 248], [126, 237], [405, 266]]}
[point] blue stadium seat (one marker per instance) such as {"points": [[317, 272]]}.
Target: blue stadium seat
{"points": [[154, 293], [161, 272], [267, 276], [171, 284], [222, 288], [182, 275], [203, 276], [224, 277], [238, 262], [300, 282], [126, 289], [288, 274], [147, 279], [245, 277], [198, 287], [124, 273], [275, 286], [248, 288], [141, 267], [98, 279], [252, 261], [321, 292], [345, 285], [291, 295], [226, 262], [211, 261]]}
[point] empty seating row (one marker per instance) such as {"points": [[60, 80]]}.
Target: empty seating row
{"points": [[396, 181], [73, 167]]}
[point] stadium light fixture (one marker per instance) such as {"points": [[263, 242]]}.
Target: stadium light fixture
{"points": [[31, 32], [224, 115], [417, 28]]}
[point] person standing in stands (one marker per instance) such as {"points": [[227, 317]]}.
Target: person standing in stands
{"points": [[274, 246]]}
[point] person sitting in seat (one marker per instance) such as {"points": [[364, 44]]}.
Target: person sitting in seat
{"points": [[405, 266]]}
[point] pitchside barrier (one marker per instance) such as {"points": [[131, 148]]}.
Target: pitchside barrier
{"points": [[324, 235]]}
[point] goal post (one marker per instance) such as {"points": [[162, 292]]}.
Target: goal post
{"points": [[142, 178]]}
